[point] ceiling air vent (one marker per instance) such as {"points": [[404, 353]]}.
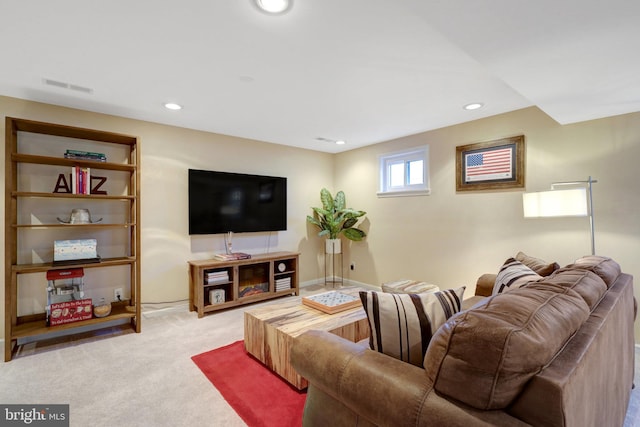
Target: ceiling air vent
{"points": [[69, 86]]}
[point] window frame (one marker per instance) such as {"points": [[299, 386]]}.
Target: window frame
{"points": [[405, 157]]}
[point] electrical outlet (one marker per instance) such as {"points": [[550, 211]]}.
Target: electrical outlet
{"points": [[117, 294]]}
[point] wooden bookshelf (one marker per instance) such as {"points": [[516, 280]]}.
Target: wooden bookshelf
{"points": [[33, 326]]}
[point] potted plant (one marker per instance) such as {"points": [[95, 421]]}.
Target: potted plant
{"points": [[334, 218]]}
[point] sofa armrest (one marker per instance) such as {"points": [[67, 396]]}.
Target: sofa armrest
{"points": [[377, 388], [367, 382], [484, 285]]}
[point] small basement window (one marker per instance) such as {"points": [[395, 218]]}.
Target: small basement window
{"points": [[405, 173]]}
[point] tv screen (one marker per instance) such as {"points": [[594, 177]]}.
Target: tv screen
{"points": [[220, 202]]}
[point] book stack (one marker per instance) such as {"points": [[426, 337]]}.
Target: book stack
{"points": [[80, 180], [283, 284], [232, 256], [85, 155], [213, 277]]}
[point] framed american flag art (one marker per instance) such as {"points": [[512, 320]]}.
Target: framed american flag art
{"points": [[492, 165]]}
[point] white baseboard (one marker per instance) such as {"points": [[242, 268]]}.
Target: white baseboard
{"points": [[149, 310], [349, 282], [346, 282]]}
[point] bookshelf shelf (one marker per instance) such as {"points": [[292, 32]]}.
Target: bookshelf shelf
{"points": [[33, 194], [61, 161], [72, 225], [36, 325]]}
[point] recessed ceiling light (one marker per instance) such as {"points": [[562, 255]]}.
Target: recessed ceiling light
{"points": [[173, 106], [274, 6], [473, 106], [340, 142]]}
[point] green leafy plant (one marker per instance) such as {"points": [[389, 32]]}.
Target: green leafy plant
{"points": [[334, 217]]}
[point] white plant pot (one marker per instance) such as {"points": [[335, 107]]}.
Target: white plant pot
{"points": [[333, 246]]}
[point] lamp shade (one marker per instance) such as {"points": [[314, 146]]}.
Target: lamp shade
{"points": [[555, 203]]}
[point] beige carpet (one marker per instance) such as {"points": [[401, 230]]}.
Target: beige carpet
{"points": [[633, 411], [145, 379], [130, 379]]}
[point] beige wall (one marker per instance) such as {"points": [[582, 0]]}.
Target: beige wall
{"points": [[167, 153], [451, 238], [445, 238]]}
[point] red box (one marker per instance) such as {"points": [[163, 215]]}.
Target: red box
{"points": [[70, 273], [70, 311]]}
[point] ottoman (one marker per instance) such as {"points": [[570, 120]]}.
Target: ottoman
{"points": [[408, 287]]}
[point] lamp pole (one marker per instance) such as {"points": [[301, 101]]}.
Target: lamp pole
{"points": [[593, 241], [589, 183]]}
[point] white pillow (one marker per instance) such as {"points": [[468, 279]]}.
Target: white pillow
{"points": [[402, 324]]}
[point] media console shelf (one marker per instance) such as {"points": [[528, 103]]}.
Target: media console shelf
{"points": [[216, 285]]}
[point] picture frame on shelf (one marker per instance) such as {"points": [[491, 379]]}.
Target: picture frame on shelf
{"points": [[491, 165]]}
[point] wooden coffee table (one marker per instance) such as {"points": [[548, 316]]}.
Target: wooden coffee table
{"points": [[269, 331]]}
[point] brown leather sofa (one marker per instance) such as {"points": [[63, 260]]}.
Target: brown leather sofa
{"points": [[556, 352]]}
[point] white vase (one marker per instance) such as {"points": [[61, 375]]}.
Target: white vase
{"points": [[333, 246]]}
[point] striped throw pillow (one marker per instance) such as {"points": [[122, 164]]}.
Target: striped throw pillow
{"points": [[512, 275], [402, 324]]}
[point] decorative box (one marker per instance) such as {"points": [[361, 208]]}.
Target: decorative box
{"points": [[70, 311], [74, 250]]}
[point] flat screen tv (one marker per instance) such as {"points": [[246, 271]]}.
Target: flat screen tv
{"points": [[220, 202]]}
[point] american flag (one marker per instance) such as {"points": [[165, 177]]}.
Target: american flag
{"points": [[489, 165]]}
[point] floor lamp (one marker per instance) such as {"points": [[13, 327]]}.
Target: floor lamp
{"points": [[565, 202]]}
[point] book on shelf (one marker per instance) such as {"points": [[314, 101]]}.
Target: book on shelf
{"points": [[234, 256], [217, 277], [85, 155], [80, 180], [283, 284], [221, 273]]}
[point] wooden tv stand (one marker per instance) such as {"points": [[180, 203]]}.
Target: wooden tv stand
{"points": [[240, 282]]}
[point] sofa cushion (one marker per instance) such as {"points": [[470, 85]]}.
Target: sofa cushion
{"points": [[605, 267], [484, 357], [585, 282], [402, 324], [538, 265], [512, 275]]}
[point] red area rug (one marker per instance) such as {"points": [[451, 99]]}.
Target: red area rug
{"points": [[259, 396]]}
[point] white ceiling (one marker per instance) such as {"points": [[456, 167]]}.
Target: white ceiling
{"points": [[364, 71]]}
